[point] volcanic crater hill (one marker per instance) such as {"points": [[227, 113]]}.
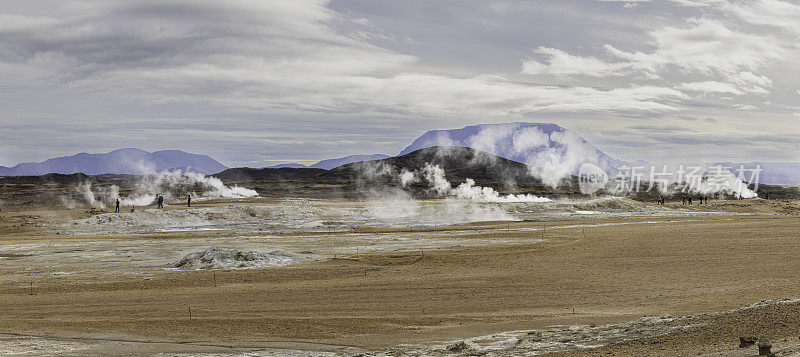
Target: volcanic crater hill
{"points": [[459, 164]]}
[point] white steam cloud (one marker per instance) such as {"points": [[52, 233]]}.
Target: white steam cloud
{"points": [[168, 184], [718, 180], [467, 190], [552, 152], [682, 179]]}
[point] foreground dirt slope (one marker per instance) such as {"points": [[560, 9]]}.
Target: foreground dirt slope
{"points": [[579, 275]]}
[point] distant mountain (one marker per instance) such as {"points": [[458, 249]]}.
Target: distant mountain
{"points": [[332, 163], [554, 151], [770, 174], [291, 165], [265, 174], [122, 161]]}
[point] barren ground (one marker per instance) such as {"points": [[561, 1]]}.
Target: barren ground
{"points": [[370, 288]]}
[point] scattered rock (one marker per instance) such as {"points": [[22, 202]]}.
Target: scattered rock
{"points": [[534, 336], [747, 341], [764, 349], [459, 346]]}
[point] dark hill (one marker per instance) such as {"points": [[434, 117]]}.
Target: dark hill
{"points": [[459, 164]]}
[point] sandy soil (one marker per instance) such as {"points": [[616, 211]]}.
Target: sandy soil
{"points": [[386, 289]]}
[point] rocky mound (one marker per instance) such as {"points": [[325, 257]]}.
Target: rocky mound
{"points": [[611, 203], [219, 258]]}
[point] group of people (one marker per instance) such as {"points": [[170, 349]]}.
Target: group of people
{"points": [[684, 200], [159, 200], [688, 199]]}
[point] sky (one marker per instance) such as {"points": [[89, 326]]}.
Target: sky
{"points": [[255, 82]]}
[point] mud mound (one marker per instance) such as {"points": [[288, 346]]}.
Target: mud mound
{"points": [[218, 258], [611, 203]]}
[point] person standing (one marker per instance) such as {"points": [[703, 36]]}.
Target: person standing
{"points": [[117, 209], [189, 201], [160, 201]]}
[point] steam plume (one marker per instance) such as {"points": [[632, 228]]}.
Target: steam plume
{"points": [[468, 190], [167, 183]]}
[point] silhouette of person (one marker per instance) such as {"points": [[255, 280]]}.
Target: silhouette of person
{"points": [[160, 201], [690, 200], [117, 209], [189, 201]]}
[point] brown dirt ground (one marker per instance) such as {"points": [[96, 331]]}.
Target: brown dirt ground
{"points": [[606, 274]]}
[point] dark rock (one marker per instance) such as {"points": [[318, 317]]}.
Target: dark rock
{"points": [[535, 336], [764, 349], [747, 341]]}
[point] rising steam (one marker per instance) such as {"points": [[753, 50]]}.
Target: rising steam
{"points": [[466, 190], [168, 184], [552, 152]]}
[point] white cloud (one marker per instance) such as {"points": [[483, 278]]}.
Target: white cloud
{"points": [[560, 63], [696, 3], [706, 47], [776, 13], [628, 3], [745, 107], [709, 87]]}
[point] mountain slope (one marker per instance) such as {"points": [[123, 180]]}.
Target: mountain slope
{"points": [[291, 165], [554, 152], [331, 163], [122, 161], [458, 163]]}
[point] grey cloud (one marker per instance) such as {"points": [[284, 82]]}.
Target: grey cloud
{"points": [[263, 81]]}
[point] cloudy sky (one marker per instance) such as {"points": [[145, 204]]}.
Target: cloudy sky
{"points": [[257, 82]]}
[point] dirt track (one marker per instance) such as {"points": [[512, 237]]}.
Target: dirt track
{"points": [[580, 275]]}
